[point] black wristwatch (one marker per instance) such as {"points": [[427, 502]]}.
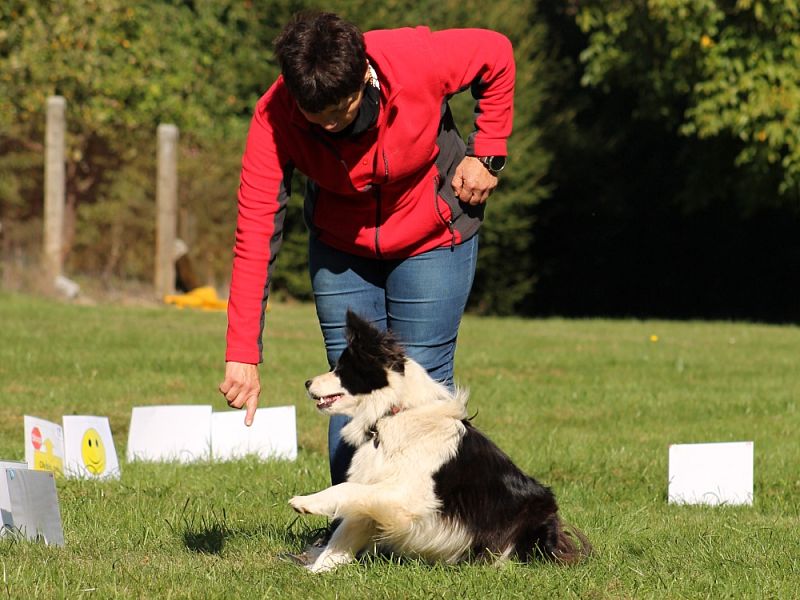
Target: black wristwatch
{"points": [[494, 164]]}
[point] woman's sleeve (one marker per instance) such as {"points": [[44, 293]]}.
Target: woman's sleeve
{"points": [[264, 189], [483, 61]]}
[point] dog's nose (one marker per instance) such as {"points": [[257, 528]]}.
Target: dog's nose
{"points": [[308, 383]]}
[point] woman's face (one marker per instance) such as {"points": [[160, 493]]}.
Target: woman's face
{"points": [[338, 116]]}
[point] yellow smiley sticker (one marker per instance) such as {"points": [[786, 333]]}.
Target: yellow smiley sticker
{"points": [[93, 452]]}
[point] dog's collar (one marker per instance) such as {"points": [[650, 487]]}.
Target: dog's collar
{"points": [[372, 432]]}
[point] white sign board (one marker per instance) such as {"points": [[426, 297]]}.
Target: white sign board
{"points": [[89, 450], [170, 433], [273, 434], [720, 473], [44, 445], [34, 504]]}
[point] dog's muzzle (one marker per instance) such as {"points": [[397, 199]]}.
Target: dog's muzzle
{"points": [[322, 402]]}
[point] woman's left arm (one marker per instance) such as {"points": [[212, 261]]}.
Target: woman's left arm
{"points": [[483, 61]]}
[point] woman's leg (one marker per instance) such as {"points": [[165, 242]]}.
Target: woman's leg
{"points": [[421, 298], [343, 281], [425, 300]]}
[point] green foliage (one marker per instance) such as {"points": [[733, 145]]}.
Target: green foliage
{"points": [[589, 407], [692, 105], [19, 179], [124, 68], [709, 68], [208, 173], [105, 228]]}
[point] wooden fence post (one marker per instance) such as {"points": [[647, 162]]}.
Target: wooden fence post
{"points": [[54, 190], [166, 209]]}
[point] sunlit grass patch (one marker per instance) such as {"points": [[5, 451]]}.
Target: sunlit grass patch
{"points": [[587, 406]]}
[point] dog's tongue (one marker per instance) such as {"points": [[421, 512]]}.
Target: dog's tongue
{"points": [[326, 401]]}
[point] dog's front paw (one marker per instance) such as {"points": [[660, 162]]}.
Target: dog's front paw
{"points": [[300, 504], [312, 505]]}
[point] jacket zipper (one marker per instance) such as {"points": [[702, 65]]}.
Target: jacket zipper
{"points": [[338, 157], [450, 223], [377, 187], [378, 204], [377, 220]]}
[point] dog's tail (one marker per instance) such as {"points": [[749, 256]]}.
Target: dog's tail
{"points": [[572, 546]]}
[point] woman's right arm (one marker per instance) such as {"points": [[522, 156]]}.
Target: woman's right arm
{"points": [[264, 190]]}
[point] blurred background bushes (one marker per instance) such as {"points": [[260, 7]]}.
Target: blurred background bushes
{"points": [[654, 168]]}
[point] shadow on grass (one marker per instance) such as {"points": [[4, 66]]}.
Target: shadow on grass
{"points": [[208, 540], [210, 537]]}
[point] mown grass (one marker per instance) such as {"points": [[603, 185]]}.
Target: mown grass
{"points": [[587, 406]]}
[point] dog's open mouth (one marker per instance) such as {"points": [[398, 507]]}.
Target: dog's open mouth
{"points": [[326, 401]]}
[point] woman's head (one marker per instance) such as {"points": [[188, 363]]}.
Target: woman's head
{"points": [[324, 65]]}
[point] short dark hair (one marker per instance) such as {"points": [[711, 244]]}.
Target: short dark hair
{"points": [[322, 58]]}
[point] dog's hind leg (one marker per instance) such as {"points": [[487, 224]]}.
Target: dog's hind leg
{"points": [[350, 537]]}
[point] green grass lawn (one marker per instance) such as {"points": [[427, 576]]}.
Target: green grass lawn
{"points": [[589, 407]]}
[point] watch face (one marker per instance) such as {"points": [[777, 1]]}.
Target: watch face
{"points": [[496, 163]]}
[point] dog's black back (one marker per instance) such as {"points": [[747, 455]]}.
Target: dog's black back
{"points": [[482, 489]]}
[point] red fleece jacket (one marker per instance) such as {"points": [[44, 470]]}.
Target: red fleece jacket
{"points": [[382, 194]]}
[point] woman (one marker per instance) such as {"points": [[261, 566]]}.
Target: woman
{"points": [[395, 197]]}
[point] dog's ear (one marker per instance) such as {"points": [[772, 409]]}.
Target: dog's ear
{"points": [[371, 343], [358, 331]]}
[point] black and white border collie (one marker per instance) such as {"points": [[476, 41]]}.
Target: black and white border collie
{"points": [[423, 481]]}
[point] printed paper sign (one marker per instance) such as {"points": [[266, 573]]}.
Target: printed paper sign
{"points": [[34, 504], [713, 474], [44, 445], [6, 521], [273, 434], [170, 433], [89, 450]]}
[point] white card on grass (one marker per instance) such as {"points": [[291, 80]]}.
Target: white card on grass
{"points": [[179, 433], [89, 450], [273, 434], [718, 473], [44, 445], [34, 504], [5, 499]]}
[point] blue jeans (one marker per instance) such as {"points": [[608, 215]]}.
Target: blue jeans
{"points": [[421, 299]]}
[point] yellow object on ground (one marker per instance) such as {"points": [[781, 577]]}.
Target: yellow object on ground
{"points": [[203, 298]]}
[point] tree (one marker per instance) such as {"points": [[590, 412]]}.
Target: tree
{"points": [[647, 218], [123, 69], [712, 68], [202, 64]]}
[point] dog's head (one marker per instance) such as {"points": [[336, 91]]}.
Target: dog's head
{"points": [[370, 363]]}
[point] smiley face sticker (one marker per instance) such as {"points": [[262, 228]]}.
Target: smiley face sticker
{"points": [[93, 452]]}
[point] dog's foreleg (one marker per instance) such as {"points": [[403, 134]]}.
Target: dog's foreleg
{"points": [[331, 501], [350, 537]]}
